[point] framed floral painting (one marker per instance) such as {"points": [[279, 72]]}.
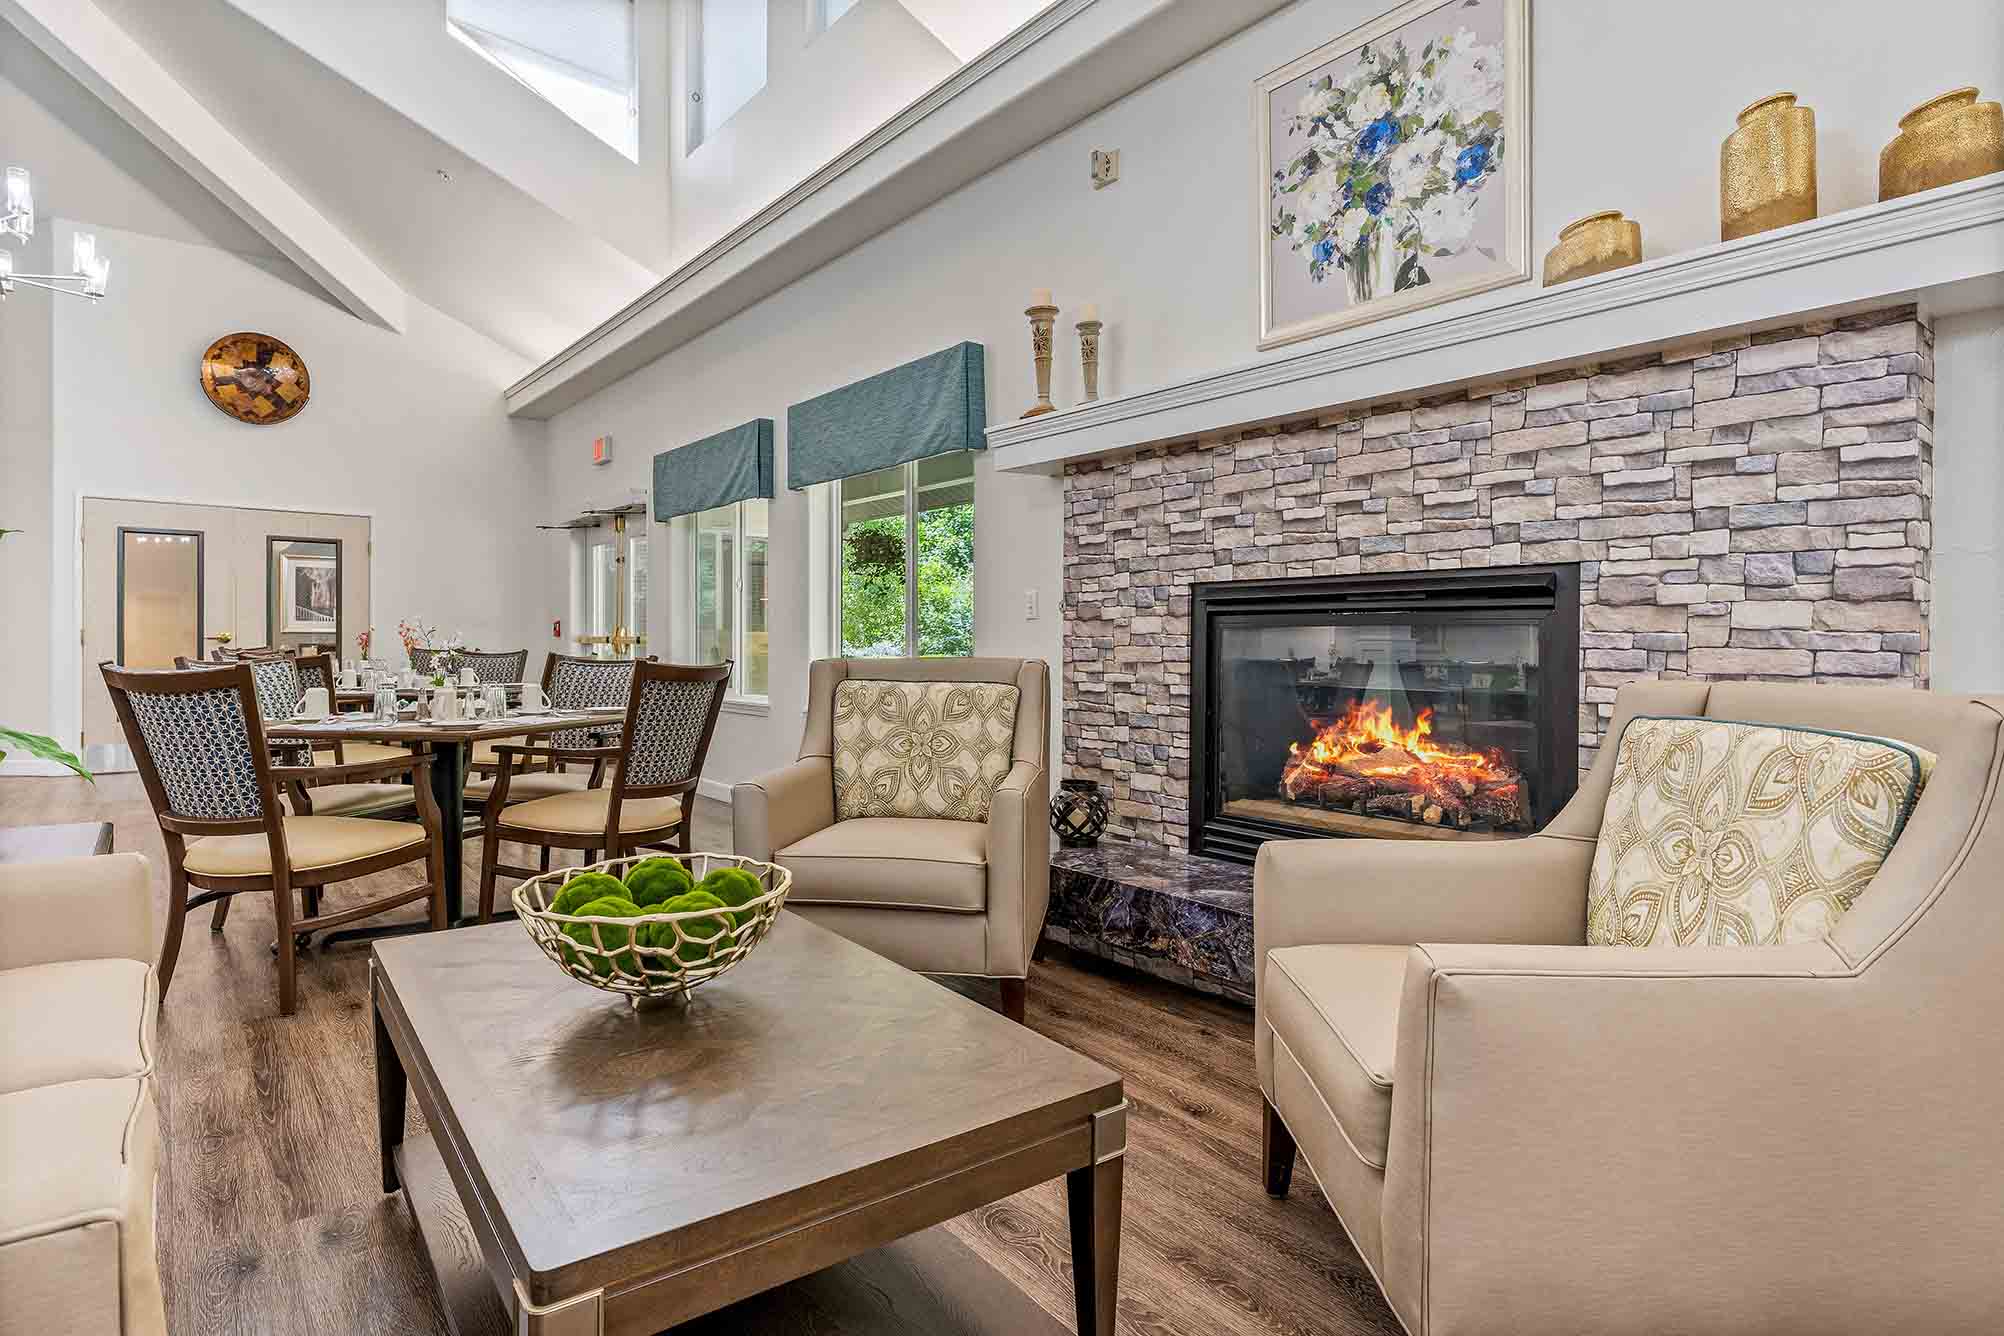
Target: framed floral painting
{"points": [[1395, 167]]}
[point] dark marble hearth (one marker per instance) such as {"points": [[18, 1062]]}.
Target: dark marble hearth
{"points": [[1172, 914]]}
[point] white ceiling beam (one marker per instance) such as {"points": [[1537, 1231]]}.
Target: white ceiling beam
{"points": [[97, 53]]}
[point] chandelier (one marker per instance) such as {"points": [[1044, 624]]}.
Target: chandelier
{"points": [[90, 272]]}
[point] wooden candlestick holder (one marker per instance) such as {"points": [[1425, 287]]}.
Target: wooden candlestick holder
{"points": [[1042, 319]]}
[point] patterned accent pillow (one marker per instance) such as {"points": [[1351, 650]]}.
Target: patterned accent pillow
{"points": [[924, 749], [1720, 833]]}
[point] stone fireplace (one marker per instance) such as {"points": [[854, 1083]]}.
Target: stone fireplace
{"points": [[1744, 507]]}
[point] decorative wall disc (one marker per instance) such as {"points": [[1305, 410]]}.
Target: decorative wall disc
{"points": [[255, 378]]}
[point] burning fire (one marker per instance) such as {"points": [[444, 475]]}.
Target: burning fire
{"points": [[1366, 760]]}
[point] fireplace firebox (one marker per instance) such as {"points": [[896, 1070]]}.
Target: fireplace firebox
{"points": [[1424, 705]]}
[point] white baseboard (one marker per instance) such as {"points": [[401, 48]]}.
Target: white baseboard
{"points": [[715, 788], [21, 766]]}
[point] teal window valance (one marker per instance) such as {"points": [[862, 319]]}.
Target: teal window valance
{"points": [[734, 465], [924, 408]]}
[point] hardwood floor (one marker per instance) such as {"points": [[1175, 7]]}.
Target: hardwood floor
{"points": [[272, 1221]]}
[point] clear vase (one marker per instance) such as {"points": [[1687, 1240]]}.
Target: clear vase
{"points": [[1372, 269]]}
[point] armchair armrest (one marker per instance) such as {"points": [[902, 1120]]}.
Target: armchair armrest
{"points": [[76, 909], [791, 803], [529, 751], [1619, 1105], [1398, 892], [355, 772], [1019, 868]]}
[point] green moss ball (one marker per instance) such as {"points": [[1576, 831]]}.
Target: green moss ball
{"points": [[585, 889], [656, 880], [662, 935], [734, 886], [611, 936]]}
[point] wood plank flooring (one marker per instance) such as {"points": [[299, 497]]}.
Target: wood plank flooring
{"points": [[272, 1221]]}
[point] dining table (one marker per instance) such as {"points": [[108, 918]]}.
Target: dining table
{"points": [[451, 743]]}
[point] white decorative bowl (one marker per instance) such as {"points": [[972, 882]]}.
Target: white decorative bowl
{"points": [[618, 963]]}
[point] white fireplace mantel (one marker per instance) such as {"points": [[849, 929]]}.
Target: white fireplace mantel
{"points": [[1943, 248]]}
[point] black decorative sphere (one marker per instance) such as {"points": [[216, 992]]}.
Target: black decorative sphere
{"points": [[1078, 813]]}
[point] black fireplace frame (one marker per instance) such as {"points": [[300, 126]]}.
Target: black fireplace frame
{"points": [[1552, 592]]}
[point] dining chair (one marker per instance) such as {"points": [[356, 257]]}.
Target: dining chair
{"points": [[199, 741], [490, 667], [570, 682], [653, 770], [320, 670], [424, 659]]}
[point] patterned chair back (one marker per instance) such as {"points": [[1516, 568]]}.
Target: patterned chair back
{"points": [[197, 738], [573, 683], [317, 670], [491, 666], [668, 724], [424, 659], [278, 689]]}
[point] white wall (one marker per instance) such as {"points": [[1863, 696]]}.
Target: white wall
{"points": [[1628, 111], [406, 429], [1966, 650]]}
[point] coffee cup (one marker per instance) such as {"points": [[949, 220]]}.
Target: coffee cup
{"points": [[532, 696], [444, 703], [350, 679], [316, 703], [467, 678]]}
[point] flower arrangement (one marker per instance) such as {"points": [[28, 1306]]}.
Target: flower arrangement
{"points": [[362, 642], [1392, 161], [445, 662]]}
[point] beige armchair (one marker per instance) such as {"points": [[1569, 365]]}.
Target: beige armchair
{"points": [[1522, 1133], [942, 894]]}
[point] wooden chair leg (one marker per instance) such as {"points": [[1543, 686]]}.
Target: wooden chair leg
{"points": [[434, 865], [1015, 993], [220, 914], [310, 897], [288, 950], [177, 914], [490, 855], [546, 858], [1276, 1145]]}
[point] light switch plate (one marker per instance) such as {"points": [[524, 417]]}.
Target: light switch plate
{"points": [[1029, 605], [1105, 167]]}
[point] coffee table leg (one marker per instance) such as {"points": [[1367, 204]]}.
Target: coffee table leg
{"points": [[392, 1089], [1093, 1194]]}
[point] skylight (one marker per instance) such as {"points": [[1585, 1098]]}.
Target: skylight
{"points": [[577, 55]]}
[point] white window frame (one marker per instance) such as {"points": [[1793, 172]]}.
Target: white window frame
{"points": [[833, 587], [692, 105], [817, 17], [736, 698]]}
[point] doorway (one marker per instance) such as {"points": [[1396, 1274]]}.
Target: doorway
{"points": [[162, 579]]}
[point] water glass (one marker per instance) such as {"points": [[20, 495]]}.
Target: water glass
{"points": [[496, 701], [386, 705]]}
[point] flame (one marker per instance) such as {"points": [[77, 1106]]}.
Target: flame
{"points": [[1367, 740]]}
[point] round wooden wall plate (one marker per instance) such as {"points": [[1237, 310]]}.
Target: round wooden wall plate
{"points": [[255, 378]]}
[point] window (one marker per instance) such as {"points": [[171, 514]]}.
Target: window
{"points": [[577, 55], [824, 14], [730, 595], [906, 560], [728, 65], [611, 609]]}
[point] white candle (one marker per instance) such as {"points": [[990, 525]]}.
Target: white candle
{"points": [[1090, 311], [1040, 297]]}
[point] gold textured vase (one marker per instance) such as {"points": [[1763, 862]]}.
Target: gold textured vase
{"points": [[1593, 245], [1767, 168], [1949, 138]]}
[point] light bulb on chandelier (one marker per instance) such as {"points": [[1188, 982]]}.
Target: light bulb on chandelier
{"points": [[90, 273]]}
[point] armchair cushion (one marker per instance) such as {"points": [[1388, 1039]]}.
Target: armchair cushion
{"points": [[1724, 833], [584, 811], [357, 799], [890, 862], [102, 1013], [534, 784], [921, 749], [1336, 1009]]}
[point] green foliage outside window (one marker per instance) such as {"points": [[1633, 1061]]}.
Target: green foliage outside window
{"points": [[873, 584]]}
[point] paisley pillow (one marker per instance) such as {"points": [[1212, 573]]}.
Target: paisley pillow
{"points": [[924, 749], [1719, 833]]}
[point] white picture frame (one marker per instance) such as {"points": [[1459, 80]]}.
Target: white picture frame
{"points": [[1304, 291], [309, 593]]}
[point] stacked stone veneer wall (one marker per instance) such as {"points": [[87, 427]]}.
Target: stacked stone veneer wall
{"points": [[1751, 507]]}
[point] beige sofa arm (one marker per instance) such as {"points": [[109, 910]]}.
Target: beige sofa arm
{"points": [[76, 909], [1560, 1112], [774, 810], [1019, 868]]}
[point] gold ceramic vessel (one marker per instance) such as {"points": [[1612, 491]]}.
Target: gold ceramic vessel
{"points": [[1949, 138], [1767, 168], [1593, 245]]}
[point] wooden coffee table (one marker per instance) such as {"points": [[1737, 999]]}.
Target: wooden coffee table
{"points": [[593, 1169]]}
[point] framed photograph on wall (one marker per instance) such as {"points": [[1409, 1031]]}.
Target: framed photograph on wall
{"points": [[309, 593], [1395, 167]]}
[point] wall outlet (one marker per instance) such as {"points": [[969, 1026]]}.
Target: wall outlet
{"points": [[1105, 167], [1029, 605]]}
